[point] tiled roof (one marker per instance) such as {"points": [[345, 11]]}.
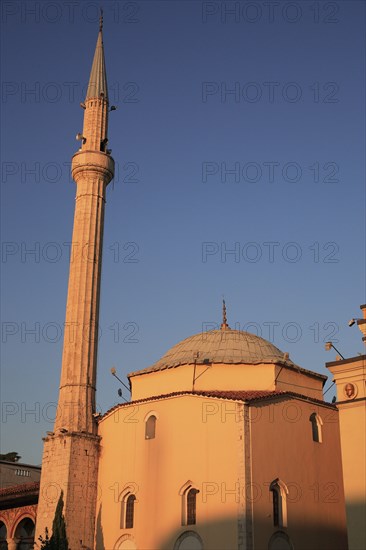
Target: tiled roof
{"points": [[239, 395], [220, 346], [22, 489], [247, 396]]}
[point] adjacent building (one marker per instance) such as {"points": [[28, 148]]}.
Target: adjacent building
{"points": [[19, 490], [350, 377]]}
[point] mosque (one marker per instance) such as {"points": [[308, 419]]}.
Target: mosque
{"points": [[226, 443]]}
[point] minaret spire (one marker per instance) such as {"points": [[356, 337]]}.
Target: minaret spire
{"points": [[97, 86], [75, 429], [101, 20]]}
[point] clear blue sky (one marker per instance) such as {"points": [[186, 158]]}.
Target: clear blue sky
{"points": [[275, 94]]}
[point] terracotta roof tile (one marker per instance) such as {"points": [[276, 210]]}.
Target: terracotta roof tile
{"points": [[20, 489]]}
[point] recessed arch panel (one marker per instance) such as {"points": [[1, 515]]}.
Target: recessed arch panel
{"points": [[189, 540]]}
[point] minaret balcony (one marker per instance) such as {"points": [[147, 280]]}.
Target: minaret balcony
{"points": [[92, 161]]}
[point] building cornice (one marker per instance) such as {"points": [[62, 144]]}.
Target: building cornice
{"points": [[244, 396], [345, 361]]}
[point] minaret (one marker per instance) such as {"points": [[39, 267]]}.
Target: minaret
{"points": [[70, 459]]}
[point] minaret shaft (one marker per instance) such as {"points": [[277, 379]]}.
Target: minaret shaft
{"points": [[71, 452], [95, 125], [78, 377]]}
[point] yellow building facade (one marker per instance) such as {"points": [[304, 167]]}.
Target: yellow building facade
{"points": [[263, 462]]}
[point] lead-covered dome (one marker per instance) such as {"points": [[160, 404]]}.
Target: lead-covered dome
{"points": [[220, 346]]}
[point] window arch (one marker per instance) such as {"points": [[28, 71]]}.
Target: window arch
{"points": [[279, 502], [126, 542], [189, 503], [128, 502], [150, 427], [316, 427]]}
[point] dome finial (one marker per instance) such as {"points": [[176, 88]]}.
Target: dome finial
{"points": [[224, 325]]}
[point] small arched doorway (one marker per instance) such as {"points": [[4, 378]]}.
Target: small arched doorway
{"points": [[24, 534], [280, 541], [3, 536], [126, 542], [189, 540]]}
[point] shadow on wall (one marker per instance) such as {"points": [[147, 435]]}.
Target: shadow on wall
{"points": [[99, 538], [222, 535], [356, 514]]}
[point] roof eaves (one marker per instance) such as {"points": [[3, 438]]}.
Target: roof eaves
{"points": [[20, 490], [293, 366], [245, 396], [203, 361]]}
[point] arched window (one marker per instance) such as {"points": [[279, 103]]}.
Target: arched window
{"points": [[189, 503], [128, 501], [279, 494], [191, 506], [316, 427], [130, 508], [150, 427]]}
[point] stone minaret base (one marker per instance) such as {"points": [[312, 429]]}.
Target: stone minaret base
{"points": [[76, 457]]}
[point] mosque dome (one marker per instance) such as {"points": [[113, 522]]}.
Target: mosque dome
{"points": [[220, 346]]}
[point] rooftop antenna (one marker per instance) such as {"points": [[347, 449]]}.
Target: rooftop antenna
{"points": [[330, 345], [114, 373], [205, 361]]}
